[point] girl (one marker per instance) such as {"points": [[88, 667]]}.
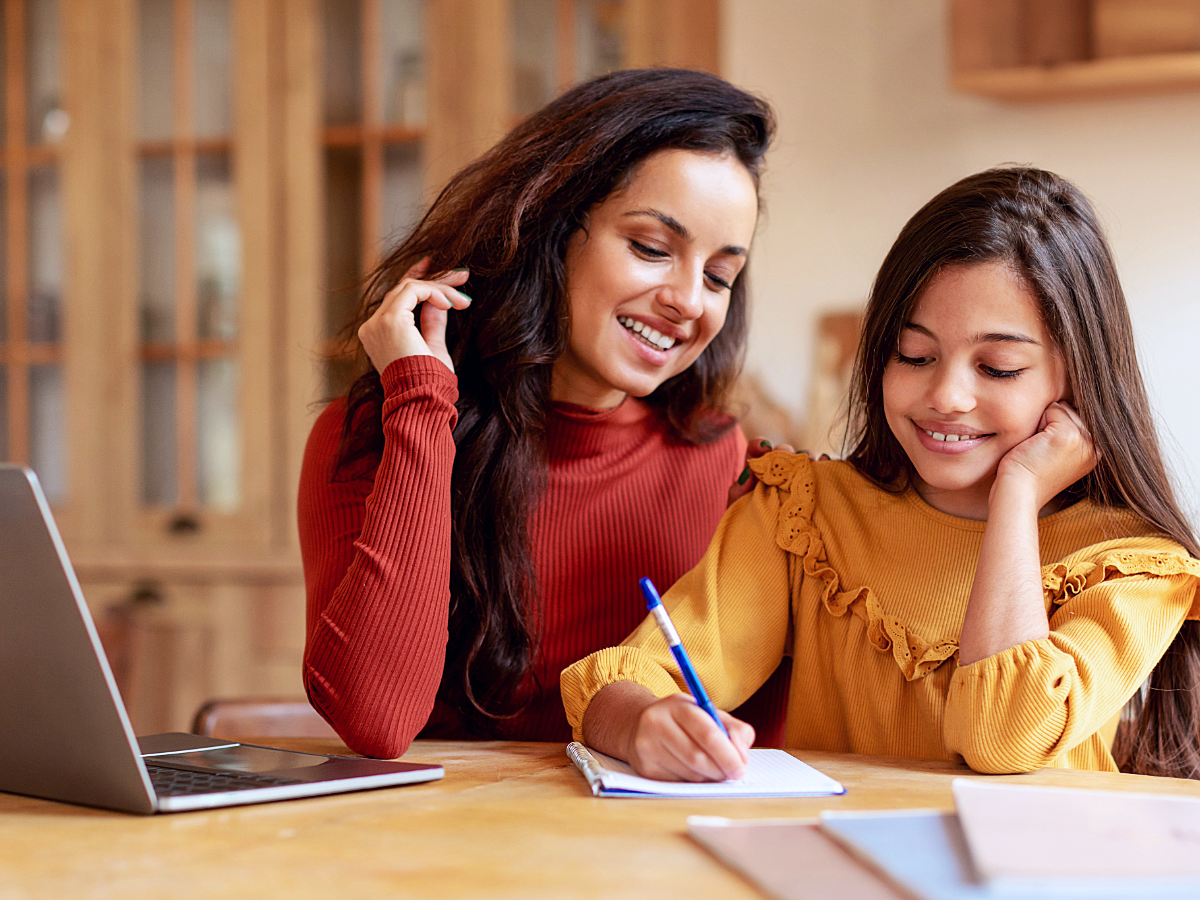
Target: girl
{"points": [[469, 512], [998, 565]]}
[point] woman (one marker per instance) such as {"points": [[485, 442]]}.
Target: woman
{"points": [[475, 514]]}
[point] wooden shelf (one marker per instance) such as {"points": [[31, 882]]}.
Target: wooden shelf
{"points": [[1098, 78]]}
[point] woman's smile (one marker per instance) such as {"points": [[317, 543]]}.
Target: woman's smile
{"points": [[650, 273]]}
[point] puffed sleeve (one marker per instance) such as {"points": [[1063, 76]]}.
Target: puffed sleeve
{"points": [[1113, 615], [732, 612]]}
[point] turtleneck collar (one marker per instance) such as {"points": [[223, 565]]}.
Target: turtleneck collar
{"points": [[580, 432]]}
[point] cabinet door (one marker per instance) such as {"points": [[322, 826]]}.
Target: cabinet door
{"points": [[204, 273], [373, 114], [33, 123]]}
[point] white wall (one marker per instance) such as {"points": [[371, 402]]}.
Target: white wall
{"points": [[869, 131]]}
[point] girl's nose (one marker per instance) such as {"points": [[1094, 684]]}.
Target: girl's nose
{"points": [[950, 390]]}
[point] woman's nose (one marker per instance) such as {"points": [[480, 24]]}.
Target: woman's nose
{"points": [[950, 390], [683, 297]]}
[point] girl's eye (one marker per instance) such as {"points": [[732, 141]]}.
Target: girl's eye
{"points": [[721, 283], [1000, 373], [912, 360], [651, 252]]}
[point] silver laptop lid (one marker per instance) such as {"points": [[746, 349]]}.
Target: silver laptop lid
{"points": [[64, 733]]}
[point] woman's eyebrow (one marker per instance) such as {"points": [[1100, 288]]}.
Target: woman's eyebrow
{"points": [[680, 229]]}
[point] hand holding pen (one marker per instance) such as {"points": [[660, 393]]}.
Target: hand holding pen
{"points": [[675, 737]]}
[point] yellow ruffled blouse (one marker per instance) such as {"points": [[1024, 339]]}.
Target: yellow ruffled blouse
{"points": [[867, 590]]}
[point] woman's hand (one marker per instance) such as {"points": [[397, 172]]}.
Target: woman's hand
{"points": [[745, 482], [1053, 459], [392, 333]]}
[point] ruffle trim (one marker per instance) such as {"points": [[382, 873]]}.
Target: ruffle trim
{"points": [[796, 534], [1061, 582]]}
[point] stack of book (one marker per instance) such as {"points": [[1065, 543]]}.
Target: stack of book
{"points": [[1003, 841]]}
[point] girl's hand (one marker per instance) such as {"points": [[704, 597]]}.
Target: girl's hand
{"points": [[675, 740], [392, 333], [1058, 455]]}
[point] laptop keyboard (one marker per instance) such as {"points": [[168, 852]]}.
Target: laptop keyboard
{"points": [[171, 782]]}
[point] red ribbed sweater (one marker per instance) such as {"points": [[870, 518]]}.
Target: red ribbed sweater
{"points": [[623, 500]]}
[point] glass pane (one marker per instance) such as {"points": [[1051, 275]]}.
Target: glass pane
{"points": [[599, 37], [211, 78], [217, 433], [156, 23], [534, 54], [48, 430], [3, 259], [403, 61], [47, 121], [46, 263], [342, 64], [156, 290], [343, 235], [218, 250], [158, 434], [401, 192], [3, 412]]}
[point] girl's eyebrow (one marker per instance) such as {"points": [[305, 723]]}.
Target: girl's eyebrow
{"points": [[986, 337], [679, 228]]}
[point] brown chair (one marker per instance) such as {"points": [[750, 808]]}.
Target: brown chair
{"points": [[257, 717]]}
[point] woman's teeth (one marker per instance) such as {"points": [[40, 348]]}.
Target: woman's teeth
{"points": [[647, 334], [950, 438]]}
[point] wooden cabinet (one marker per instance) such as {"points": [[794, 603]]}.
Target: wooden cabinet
{"points": [[1059, 49], [192, 191]]}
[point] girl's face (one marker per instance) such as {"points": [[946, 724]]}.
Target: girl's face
{"points": [[648, 279], [973, 373]]}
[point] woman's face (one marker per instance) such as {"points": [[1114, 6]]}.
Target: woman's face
{"points": [[648, 278], [973, 373]]}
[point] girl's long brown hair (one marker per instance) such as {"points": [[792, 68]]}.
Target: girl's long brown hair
{"points": [[1046, 228], [507, 217]]}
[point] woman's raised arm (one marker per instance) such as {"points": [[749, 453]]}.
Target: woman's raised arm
{"points": [[377, 564]]}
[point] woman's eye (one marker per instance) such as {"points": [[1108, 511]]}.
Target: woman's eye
{"points": [[651, 252], [721, 283], [1000, 373], [912, 360]]}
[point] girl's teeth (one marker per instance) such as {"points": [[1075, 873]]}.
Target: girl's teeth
{"points": [[951, 438]]}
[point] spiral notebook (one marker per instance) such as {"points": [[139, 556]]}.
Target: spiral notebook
{"points": [[771, 773]]}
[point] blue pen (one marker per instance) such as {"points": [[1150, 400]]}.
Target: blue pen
{"points": [[667, 627]]}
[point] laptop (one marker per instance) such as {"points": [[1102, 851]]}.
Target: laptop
{"points": [[64, 732]]}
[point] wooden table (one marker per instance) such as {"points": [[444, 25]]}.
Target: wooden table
{"points": [[510, 820]]}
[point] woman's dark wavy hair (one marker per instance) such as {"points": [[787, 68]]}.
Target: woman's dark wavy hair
{"points": [[1045, 228], [507, 217]]}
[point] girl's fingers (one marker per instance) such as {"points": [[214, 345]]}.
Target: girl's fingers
{"points": [[711, 753]]}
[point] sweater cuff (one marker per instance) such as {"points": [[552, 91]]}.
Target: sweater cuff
{"points": [[581, 682], [409, 372], [1008, 713]]}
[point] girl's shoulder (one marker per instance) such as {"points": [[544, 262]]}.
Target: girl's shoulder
{"points": [[1088, 543], [811, 481]]}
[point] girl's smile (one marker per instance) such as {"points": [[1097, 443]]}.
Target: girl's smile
{"points": [[973, 373]]}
